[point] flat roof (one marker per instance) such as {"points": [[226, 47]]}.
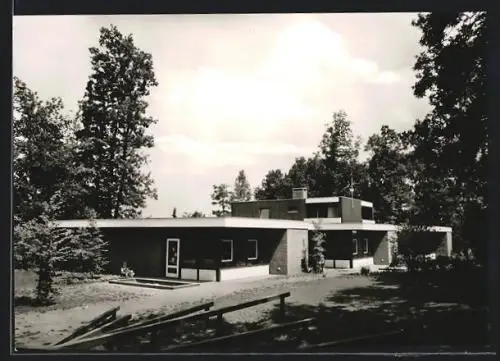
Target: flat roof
{"points": [[203, 222], [369, 227], [233, 222]]}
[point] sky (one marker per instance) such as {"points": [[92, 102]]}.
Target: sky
{"points": [[235, 92]]}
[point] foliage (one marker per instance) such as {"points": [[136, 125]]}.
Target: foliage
{"points": [[307, 173], [451, 142], [221, 197], [389, 171], [195, 214], [364, 271], [114, 124], [241, 190], [274, 186], [339, 151], [42, 153], [88, 251], [40, 245], [317, 253]]}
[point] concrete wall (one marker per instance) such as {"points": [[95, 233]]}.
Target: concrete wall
{"points": [[278, 209], [296, 242], [287, 256], [243, 272], [362, 262], [383, 248], [445, 246]]}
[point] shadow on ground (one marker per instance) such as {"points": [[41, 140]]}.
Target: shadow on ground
{"points": [[434, 309]]}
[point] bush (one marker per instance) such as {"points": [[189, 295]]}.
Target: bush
{"points": [[318, 251], [365, 271]]}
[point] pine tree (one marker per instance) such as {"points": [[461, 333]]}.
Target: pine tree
{"points": [[221, 198], [242, 190]]}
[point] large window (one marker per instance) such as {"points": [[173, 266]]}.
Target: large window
{"points": [[253, 249], [334, 211], [264, 213], [354, 246], [227, 250], [366, 248]]}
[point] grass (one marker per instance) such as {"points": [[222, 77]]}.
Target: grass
{"points": [[67, 285]]}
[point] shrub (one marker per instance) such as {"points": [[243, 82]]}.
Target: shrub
{"points": [[318, 251], [127, 272], [365, 271]]}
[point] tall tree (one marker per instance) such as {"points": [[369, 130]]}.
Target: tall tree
{"points": [[339, 150], [274, 185], [114, 125], [307, 173], [452, 140], [390, 176], [41, 164], [241, 190], [221, 198]]}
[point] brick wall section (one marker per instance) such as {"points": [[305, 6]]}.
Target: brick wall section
{"points": [[278, 264], [296, 245]]}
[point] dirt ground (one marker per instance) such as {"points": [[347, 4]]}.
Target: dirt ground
{"points": [[35, 327]]}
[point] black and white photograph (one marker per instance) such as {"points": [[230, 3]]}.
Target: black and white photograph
{"points": [[250, 183]]}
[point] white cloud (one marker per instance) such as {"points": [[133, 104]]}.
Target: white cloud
{"points": [[208, 154], [237, 91]]}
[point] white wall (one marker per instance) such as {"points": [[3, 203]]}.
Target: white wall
{"points": [[328, 263], [358, 263], [189, 274], [342, 263], [208, 275], [243, 272]]}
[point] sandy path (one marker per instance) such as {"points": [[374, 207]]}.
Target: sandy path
{"points": [[37, 328]]}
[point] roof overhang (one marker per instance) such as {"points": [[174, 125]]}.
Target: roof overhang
{"points": [[322, 200], [204, 222], [371, 227]]}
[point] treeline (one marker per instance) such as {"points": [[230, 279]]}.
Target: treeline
{"points": [[432, 174], [82, 166]]}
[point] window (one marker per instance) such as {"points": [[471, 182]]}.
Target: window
{"points": [[334, 211], [354, 246], [367, 213], [365, 250], [253, 251], [264, 213], [227, 250]]}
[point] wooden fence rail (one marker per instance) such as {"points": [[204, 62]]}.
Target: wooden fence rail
{"points": [[152, 327], [97, 321]]}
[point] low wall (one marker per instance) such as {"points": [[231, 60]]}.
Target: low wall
{"points": [[192, 274], [361, 262], [243, 272]]}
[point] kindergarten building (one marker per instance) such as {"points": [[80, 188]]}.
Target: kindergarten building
{"points": [[260, 238]]}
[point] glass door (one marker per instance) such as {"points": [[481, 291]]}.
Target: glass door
{"points": [[172, 258]]}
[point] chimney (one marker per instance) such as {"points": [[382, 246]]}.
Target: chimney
{"points": [[299, 193]]}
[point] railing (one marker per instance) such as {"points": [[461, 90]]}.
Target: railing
{"points": [[115, 339]]}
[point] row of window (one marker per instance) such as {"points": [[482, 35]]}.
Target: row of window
{"points": [[331, 212], [228, 250], [355, 246]]}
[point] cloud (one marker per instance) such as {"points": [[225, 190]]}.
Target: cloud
{"points": [[208, 154], [237, 91]]}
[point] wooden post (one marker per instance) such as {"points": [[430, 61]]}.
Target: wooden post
{"points": [[218, 329], [282, 307]]}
